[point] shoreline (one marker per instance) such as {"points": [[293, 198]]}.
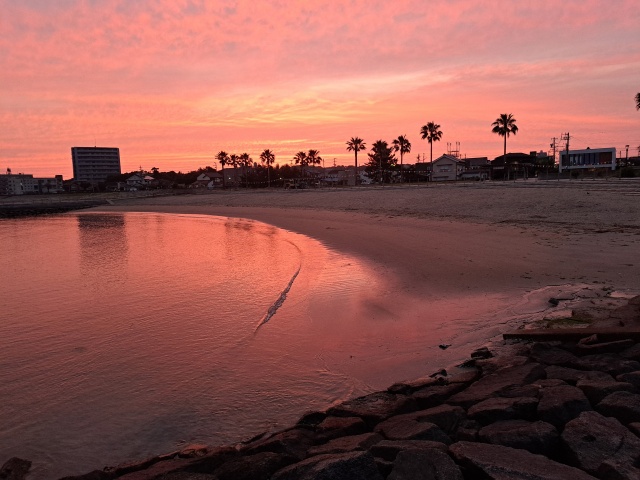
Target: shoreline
{"points": [[460, 255]]}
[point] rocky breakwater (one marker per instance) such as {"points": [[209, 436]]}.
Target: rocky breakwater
{"points": [[537, 410]]}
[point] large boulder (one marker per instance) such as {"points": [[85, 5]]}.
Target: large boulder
{"points": [[375, 407], [560, 404], [424, 465], [334, 427], [498, 409], [596, 390], [345, 466], [293, 442], [252, 467], [491, 385], [411, 427], [15, 469], [536, 437], [550, 355], [573, 375], [349, 443], [601, 445], [496, 462], [389, 449], [434, 395], [624, 406], [607, 362]]}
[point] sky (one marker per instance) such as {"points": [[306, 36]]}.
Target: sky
{"points": [[173, 82]]}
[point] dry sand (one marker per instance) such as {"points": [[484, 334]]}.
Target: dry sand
{"points": [[495, 252]]}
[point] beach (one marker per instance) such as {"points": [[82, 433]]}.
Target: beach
{"points": [[486, 256], [453, 239]]}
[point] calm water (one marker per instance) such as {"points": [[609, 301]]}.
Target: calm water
{"points": [[127, 335]]}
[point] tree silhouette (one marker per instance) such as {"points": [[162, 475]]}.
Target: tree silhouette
{"points": [[235, 161], [505, 125], [381, 161], [301, 159], [223, 159], [637, 101], [267, 157], [431, 133], [245, 161], [402, 145], [355, 145]]}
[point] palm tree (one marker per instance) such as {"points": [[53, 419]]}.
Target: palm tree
{"points": [[235, 161], [301, 159], [402, 145], [223, 159], [268, 158], [505, 125], [431, 133], [637, 101], [245, 161], [355, 145]]}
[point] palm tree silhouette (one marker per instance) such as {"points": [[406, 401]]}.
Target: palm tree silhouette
{"points": [[505, 125], [268, 158], [431, 133], [223, 159], [234, 160], [245, 161], [402, 145], [637, 101], [355, 145], [301, 159]]}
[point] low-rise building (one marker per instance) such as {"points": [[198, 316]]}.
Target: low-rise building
{"points": [[588, 159], [446, 168], [21, 184]]}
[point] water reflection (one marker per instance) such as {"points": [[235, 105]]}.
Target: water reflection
{"points": [[103, 247]]}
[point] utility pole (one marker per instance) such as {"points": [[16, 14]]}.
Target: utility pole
{"points": [[553, 147], [566, 137]]}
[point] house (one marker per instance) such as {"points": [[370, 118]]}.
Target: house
{"points": [[139, 181], [208, 179], [476, 168], [446, 168]]}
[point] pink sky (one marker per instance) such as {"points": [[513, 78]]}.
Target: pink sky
{"points": [[173, 82]]}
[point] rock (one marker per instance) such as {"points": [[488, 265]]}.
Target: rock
{"points": [[560, 404], [491, 385], [389, 449], [624, 406], [606, 362], [482, 352], [435, 395], [333, 427], [596, 390], [212, 460], [496, 462], [467, 376], [408, 387], [424, 465], [604, 347], [349, 443], [252, 467], [445, 416], [592, 439], [635, 428], [536, 437], [516, 391], [375, 407], [550, 355], [345, 466], [411, 427], [468, 431], [498, 409], [491, 365], [193, 450], [94, 475], [293, 442], [15, 469], [632, 377], [631, 353], [311, 419], [572, 375]]}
